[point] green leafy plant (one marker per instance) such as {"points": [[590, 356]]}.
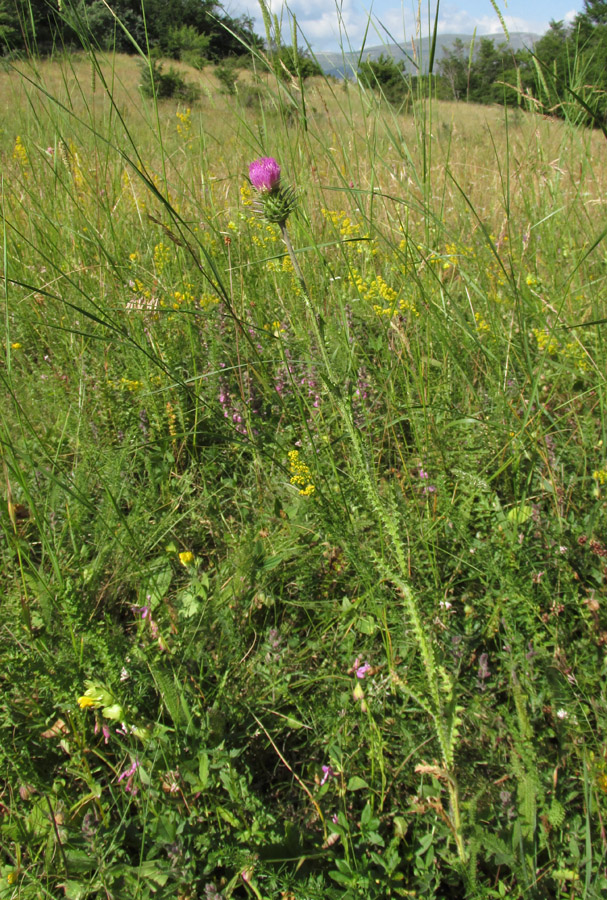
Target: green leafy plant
{"points": [[165, 85]]}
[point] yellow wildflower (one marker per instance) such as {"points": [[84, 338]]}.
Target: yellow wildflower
{"points": [[85, 701], [186, 558], [19, 152], [300, 474], [185, 122]]}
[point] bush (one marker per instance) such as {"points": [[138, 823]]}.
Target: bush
{"points": [[188, 45], [227, 76], [250, 96], [163, 85], [386, 75], [288, 61]]}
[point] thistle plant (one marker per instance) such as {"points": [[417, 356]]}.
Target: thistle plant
{"points": [[275, 203]]}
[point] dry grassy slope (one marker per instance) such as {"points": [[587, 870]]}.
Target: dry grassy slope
{"points": [[503, 165]]}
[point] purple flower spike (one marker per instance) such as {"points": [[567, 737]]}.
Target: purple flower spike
{"points": [[265, 174]]}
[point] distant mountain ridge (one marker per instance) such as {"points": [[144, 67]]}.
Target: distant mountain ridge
{"points": [[416, 53]]}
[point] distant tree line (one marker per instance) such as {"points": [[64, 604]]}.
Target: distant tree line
{"points": [[194, 30], [564, 74]]}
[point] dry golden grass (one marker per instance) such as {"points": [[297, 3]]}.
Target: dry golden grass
{"points": [[438, 158]]}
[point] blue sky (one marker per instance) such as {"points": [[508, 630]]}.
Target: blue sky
{"points": [[320, 20]]}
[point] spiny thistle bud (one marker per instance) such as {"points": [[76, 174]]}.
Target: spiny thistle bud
{"points": [[275, 203]]}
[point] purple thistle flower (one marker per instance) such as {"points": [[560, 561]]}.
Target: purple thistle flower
{"points": [[265, 174]]}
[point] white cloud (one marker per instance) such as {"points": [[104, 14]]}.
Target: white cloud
{"points": [[453, 20], [326, 24]]}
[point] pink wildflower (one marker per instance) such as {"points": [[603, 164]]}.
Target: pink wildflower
{"points": [[264, 174], [129, 774], [361, 671], [327, 772]]}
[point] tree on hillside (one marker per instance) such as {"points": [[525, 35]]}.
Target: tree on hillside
{"points": [[548, 75], [8, 25], [454, 68], [44, 25], [595, 12], [486, 70], [386, 75], [590, 27], [291, 61]]}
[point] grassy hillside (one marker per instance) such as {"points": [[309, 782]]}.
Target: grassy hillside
{"points": [[303, 556]]}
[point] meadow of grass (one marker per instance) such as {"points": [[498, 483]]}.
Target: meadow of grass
{"points": [[303, 573]]}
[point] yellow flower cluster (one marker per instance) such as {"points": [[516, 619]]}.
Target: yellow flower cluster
{"points": [[572, 350], [600, 475], [545, 341], [246, 195], [599, 767], [276, 328], [300, 474], [575, 353], [184, 125], [181, 297], [482, 326], [498, 281], [375, 289], [19, 152], [162, 257], [172, 420], [127, 384], [263, 234], [342, 222], [453, 255]]}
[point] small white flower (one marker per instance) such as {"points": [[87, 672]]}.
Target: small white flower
{"points": [[561, 713], [124, 675]]}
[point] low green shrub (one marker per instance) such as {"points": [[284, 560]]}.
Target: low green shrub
{"points": [[164, 85]]}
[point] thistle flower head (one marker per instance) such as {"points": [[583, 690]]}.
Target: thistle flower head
{"points": [[265, 174], [275, 203]]}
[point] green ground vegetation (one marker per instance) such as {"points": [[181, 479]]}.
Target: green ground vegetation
{"points": [[303, 557]]}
